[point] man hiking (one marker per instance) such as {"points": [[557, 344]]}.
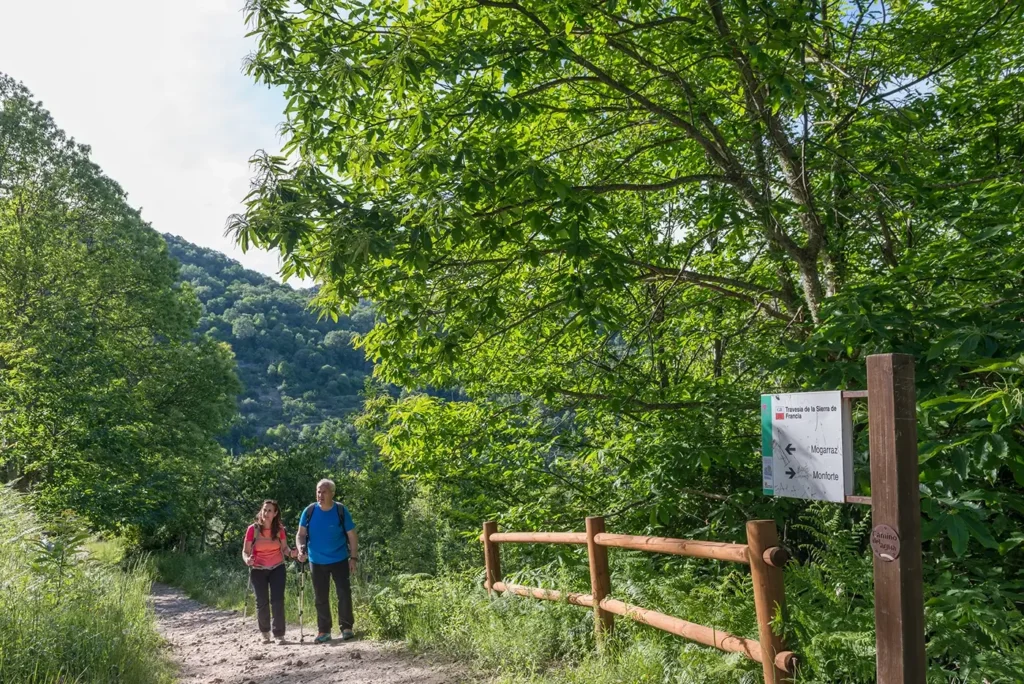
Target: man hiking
{"points": [[327, 536]]}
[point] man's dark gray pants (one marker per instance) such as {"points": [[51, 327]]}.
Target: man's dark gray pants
{"points": [[322, 575]]}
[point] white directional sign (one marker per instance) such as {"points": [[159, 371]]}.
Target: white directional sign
{"points": [[807, 446]]}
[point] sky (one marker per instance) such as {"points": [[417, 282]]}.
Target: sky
{"points": [[156, 89]]}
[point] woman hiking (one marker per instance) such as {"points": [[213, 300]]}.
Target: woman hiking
{"points": [[264, 551]]}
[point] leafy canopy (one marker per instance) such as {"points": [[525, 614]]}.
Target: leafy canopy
{"points": [[496, 170]]}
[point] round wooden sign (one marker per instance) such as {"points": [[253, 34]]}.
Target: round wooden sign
{"points": [[885, 542]]}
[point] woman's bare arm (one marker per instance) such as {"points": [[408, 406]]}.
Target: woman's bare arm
{"points": [[285, 549]]}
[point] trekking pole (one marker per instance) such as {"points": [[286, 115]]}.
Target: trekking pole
{"points": [[249, 590], [302, 592]]}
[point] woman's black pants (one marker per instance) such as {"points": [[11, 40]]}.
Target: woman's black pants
{"points": [[268, 586]]}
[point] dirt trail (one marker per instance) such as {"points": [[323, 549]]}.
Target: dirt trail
{"points": [[214, 646]]}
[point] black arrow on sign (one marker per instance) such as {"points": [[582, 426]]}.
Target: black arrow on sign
{"points": [[790, 449], [791, 473]]}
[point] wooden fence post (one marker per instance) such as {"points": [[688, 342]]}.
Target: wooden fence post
{"points": [[492, 560], [769, 594], [896, 519], [600, 580]]}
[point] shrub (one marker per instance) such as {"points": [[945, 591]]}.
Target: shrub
{"points": [[65, 616]]}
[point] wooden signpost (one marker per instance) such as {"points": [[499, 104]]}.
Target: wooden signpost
{"points": [[795, 436], [896, 520]]}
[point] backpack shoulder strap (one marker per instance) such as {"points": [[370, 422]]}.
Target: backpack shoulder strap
{"points": [[308, 516], [255, 532], [341, 525]]}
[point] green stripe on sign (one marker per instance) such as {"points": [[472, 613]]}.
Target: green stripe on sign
{"points": [[767, 456]]}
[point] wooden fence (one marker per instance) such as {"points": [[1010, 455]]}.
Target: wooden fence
{"points": [[761, 552]]}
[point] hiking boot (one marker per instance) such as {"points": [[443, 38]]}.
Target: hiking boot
{"points": [[322, 638], [265, 637], [347, 634], [281, 641]]}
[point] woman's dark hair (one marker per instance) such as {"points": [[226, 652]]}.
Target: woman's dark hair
{"points": [[275, 526]]}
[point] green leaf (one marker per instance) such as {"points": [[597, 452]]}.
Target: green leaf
{"points": [[958, 533], [979, 531], [1015, 540], [931, 528]]}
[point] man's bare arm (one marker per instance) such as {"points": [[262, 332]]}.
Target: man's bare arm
{"points": [[353, 544]]}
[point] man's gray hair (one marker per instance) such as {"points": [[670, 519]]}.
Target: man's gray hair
{"points": [[329, 483]]}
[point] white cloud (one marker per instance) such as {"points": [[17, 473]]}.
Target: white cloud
{"points": [[156, 89]]}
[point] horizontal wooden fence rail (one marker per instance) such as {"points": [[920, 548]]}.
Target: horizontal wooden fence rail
{"points": [[737, 553], [585, 600], [539, 537], [761, 552]]}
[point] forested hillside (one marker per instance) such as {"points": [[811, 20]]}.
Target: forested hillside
{"points": [[298, 369]]}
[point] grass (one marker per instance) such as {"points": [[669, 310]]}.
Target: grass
{"points": [[106, 551], [67, 617], [524, 641]]}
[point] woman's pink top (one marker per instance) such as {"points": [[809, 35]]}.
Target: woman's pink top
{"points": [[266, 552]]}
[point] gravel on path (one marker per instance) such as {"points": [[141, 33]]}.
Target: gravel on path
{"points": [[212, 646]]}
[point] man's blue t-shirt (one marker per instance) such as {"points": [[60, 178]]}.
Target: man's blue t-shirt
{"points": [[328, 542]]}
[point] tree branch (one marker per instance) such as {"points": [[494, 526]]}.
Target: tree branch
{"points": [[555, 83], [692, 275], [653, 187], [646, 405], [518, 8]]}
